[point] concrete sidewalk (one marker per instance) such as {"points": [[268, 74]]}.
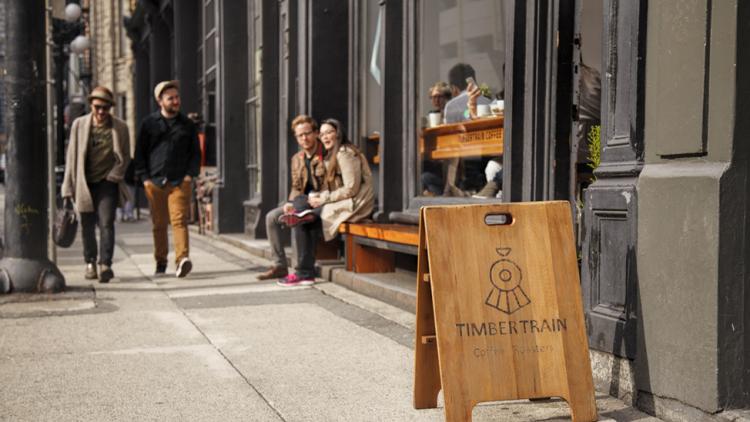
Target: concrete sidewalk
{"points": [[218, 345]]}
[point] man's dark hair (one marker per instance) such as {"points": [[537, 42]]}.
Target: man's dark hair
{"points": [[458, 74]]}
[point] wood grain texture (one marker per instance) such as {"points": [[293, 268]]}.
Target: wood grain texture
{"points": [[368, 259], [426, 364], [506, 303], [397, 233], [474, 138], [327, 250]]}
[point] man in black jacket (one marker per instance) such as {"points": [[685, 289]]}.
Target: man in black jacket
{"points": [[167, 158]]}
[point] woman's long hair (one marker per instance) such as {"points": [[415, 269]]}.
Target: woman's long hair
{"points": [[341, 141]]}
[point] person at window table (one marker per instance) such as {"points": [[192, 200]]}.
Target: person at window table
{"points": [[348, 195], [440, 94], [432, 171], [456, 110], [96, 161]]}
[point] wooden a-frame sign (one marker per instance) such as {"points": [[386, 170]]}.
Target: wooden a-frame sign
{"points": [[499, 313]]}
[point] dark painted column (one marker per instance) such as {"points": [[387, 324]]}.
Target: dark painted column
{"points": [[144, 97], [228, 198], [391, 141], [25, 267], [515, 103], [265, 147], [286, 95], [269, 189], [187, 35], [136, 26], [160, 55], [61, 61], [608, 270], [324, 86], [539, 98]]}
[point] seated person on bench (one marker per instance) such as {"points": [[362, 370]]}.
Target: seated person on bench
{"points": [[347, 196], [307, 172]]}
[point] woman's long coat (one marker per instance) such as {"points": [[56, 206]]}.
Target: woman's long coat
{"points": [[351, 196]]}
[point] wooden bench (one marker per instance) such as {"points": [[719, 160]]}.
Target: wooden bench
{"points": [[371, 247]]}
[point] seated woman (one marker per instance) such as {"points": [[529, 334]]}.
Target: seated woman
{"points": [[347, 196]]}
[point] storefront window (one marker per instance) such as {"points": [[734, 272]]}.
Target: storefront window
{"points": [[370, 79], [459, 155], [253, 106]]}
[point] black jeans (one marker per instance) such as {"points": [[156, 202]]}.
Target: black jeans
{"points": [[306, 236], [104, 195]]}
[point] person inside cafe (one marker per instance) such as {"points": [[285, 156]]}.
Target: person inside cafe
{"points": [[464, 176], [440, 94], [457, 110], [432, 171], [493, 170]]}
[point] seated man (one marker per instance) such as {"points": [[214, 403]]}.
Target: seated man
{"points": [[308, 171]]}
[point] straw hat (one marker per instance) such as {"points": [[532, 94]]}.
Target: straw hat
{"points": [[102, 93], [163, 86]]}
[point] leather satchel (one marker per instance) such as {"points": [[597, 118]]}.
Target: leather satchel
{"points": [[66, 225]]}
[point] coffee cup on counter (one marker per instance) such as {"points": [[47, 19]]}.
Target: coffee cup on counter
{"points": [[497, 107], [483, 110], [434, 119]]}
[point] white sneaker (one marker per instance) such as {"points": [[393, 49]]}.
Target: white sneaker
{"points": [[184, 267]]}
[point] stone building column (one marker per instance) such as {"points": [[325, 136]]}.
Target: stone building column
{"points": [[693, 208]]}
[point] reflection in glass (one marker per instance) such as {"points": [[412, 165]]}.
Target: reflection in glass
{"points": [[461, 39]]}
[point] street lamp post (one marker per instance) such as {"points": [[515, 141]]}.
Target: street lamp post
{"points": [[25, 266]]}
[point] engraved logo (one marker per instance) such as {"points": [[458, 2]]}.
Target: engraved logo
{"points": [[506, 276]]}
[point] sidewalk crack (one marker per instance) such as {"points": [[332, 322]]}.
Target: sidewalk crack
{"points": [[236, 369]]}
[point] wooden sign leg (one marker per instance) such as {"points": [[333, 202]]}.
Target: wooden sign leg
{"points": [[582, 405], [426, 364], [455, 409]]}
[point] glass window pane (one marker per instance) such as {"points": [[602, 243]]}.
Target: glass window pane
{"points": [[211, 50], [210, 17], [372, 67], [458, 155]]}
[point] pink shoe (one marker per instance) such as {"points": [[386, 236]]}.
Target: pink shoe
{"points": [[293, 280]]}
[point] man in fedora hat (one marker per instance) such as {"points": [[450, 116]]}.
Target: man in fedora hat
{"points": [[97, 158], [167, 159]]}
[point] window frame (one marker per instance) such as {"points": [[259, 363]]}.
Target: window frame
{"points": [[412, 166]]}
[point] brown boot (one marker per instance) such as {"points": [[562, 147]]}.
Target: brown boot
{"points": [[273, 272]]}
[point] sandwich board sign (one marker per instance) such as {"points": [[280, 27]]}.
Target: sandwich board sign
{"points": [[499, 312]]}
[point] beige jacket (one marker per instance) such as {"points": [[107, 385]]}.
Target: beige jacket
{"points": [[74, 184], [352, 197]]}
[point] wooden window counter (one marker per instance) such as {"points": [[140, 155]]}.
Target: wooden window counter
{"points": [[472, 138]]}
